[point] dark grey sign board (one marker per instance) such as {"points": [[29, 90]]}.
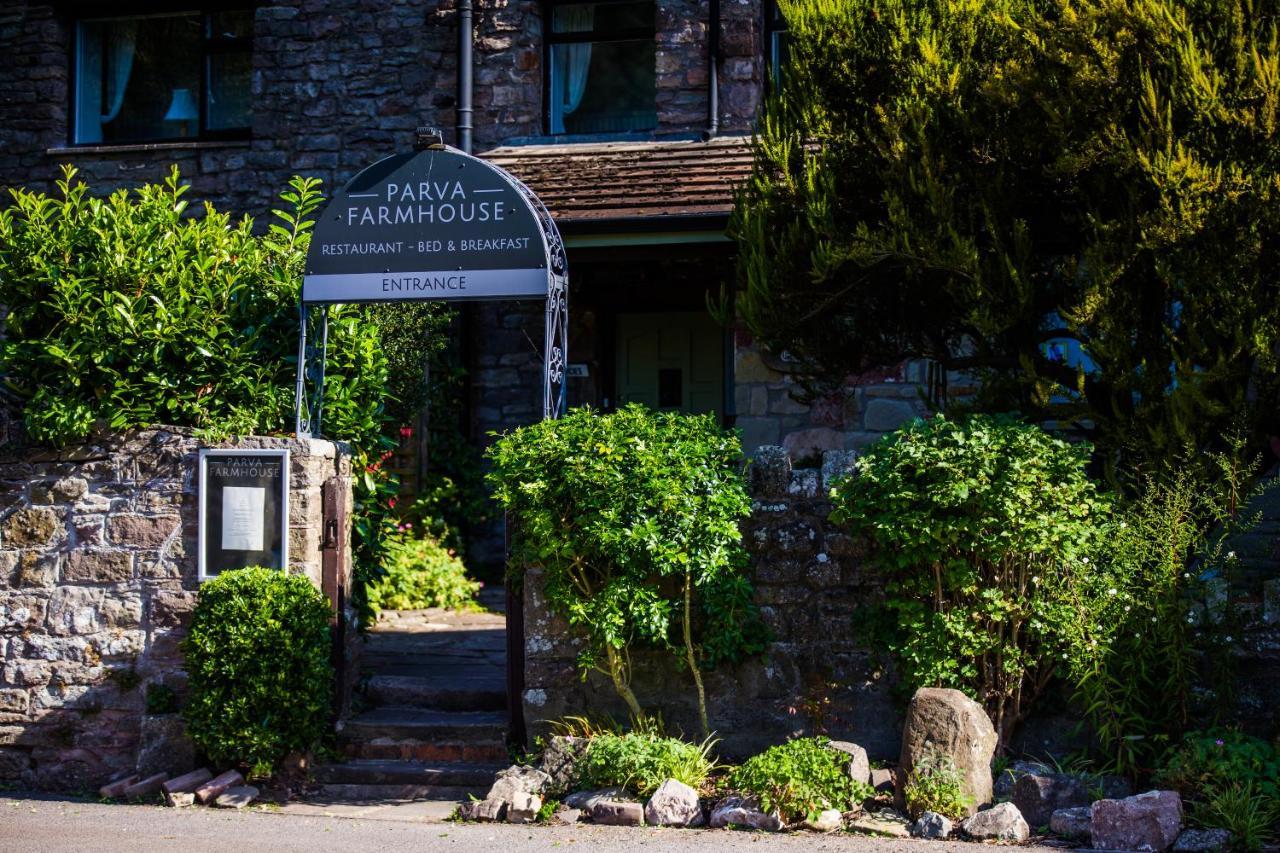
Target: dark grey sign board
{"points": [[432, 224], [244, 510]]}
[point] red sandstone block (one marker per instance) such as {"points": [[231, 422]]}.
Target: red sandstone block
{"points": [[188, 782], [147, 787], [111, 790], [209, 791]]}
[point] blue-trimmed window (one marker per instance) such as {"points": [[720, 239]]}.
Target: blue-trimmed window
{"points": [[600, 61], [163, 76]]}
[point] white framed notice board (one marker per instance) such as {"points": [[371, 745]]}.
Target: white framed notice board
{"points": [[244, 510]]}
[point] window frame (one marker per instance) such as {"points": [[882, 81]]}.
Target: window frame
{"points": [[774, 25], [551, 38], [210, 46]]}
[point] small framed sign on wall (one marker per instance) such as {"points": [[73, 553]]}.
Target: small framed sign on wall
{"points": [[244, 510]]}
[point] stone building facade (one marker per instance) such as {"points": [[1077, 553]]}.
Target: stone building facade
{"points": [[98, 580]]}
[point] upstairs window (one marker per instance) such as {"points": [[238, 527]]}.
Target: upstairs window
{"points": [[775, 33], [600, 67], [163, 77]]}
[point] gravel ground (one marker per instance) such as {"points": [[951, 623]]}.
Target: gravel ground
{"points": [[35, 824]]}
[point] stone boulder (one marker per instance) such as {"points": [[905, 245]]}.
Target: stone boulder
{"points": [[931, 825], [858, 765], [743, 811], [1038, 796], [673, 804], [1203, 841], [517, 779], [1002, 822], [827, 820], [945, 722], [560, 761], [586, 800], [523, 808], [1071, 823], [618, 813], [1147, 822]]}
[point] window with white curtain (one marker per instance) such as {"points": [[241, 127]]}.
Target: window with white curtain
{"points": [[145, 78], [601, 67]]}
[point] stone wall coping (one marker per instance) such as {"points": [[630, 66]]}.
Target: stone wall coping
{"points": [[106, 443], [146, 147]]}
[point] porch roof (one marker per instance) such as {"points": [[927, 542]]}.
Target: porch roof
{"points": [[622, 183]]}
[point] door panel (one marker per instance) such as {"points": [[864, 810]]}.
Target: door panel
{"points": [[672, 361]]}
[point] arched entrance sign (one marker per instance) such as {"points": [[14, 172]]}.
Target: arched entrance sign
{"points": [[433, 223]]}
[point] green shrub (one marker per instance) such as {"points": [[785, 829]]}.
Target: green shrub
{"points": [[799, 778], [1142, 645], [935, 785], [984, 529], [641, 761], [258, 662], [633, 518], [1244, 810], [422, 573], [1210, 761]]}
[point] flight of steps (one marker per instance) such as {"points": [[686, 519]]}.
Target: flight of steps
{"points": [[432, 722]]}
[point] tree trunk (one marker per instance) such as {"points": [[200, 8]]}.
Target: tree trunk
{"points": [[693, 662], [620, 683]]}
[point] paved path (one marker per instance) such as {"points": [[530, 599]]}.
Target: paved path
{"points": [[44, 825]]}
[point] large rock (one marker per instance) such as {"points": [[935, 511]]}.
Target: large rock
{"points": [[999, 823], [858, 765], [586, 800], [1146, 822], [517, 779], [931, 825], [673, 804], [1071, 823], [743, 811], [827, 820], [523, 808], [618, 813], [1203, 841], [946, 722], [487, 811], [1038, 796], [560, 761]]}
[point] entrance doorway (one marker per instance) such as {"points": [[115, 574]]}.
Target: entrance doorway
{"points": [[672, 361]]}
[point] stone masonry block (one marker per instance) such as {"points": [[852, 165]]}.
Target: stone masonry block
{"points": [[141, 531], [84, 566]]}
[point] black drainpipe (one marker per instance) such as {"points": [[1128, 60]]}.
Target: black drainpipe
{"points": [[713, 61], [465, 28]]}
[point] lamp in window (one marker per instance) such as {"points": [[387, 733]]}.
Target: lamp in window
{"points": [[182, 109]]}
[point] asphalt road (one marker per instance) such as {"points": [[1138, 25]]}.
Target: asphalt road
{"points": [[38, 825]]}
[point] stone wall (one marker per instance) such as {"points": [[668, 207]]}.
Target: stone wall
{"points": [[97, 585], [810, 583], [337, 86]]}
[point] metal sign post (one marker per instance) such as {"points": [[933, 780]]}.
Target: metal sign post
{"points": [[434, 223]]}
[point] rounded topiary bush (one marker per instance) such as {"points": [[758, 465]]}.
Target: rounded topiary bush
{"points": [[258, 661]]}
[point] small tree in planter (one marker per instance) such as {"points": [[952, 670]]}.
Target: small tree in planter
{"points": [[633, 518], [984, 528]]}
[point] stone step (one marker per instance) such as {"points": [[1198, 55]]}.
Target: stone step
{"points": [[463, 693], [412, 773], [399, 723], [387, 749], [343, 793]]}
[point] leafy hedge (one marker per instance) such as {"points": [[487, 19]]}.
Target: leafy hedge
{"points": [[258, 662], [641, 761], [799, 778], [422, 573]]}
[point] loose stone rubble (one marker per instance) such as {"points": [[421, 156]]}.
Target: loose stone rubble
{"points": [[1002, 822], [1072, 824], [743, 811], [931, 825]]}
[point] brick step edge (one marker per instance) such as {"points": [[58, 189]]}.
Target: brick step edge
{"points": [[440, 774]]}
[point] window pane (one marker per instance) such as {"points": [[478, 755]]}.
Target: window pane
{"points": [[603, 18], [237, 24], [229, 80], [602, 87], [138, 79]]}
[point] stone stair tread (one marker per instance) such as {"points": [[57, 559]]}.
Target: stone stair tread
{"points": [[467, 692], [344, 793], [364, 771], [392, 721]]}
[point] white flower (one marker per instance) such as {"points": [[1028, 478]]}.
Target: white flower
{"points": [[1231, 555], [1228, 638], [1112, 591], [1187, 575], [1126, 608], [1084, 560], [1035, 579], [1153, 619]]}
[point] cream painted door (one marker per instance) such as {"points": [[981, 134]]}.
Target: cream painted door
{"points": [[672, 361]]}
